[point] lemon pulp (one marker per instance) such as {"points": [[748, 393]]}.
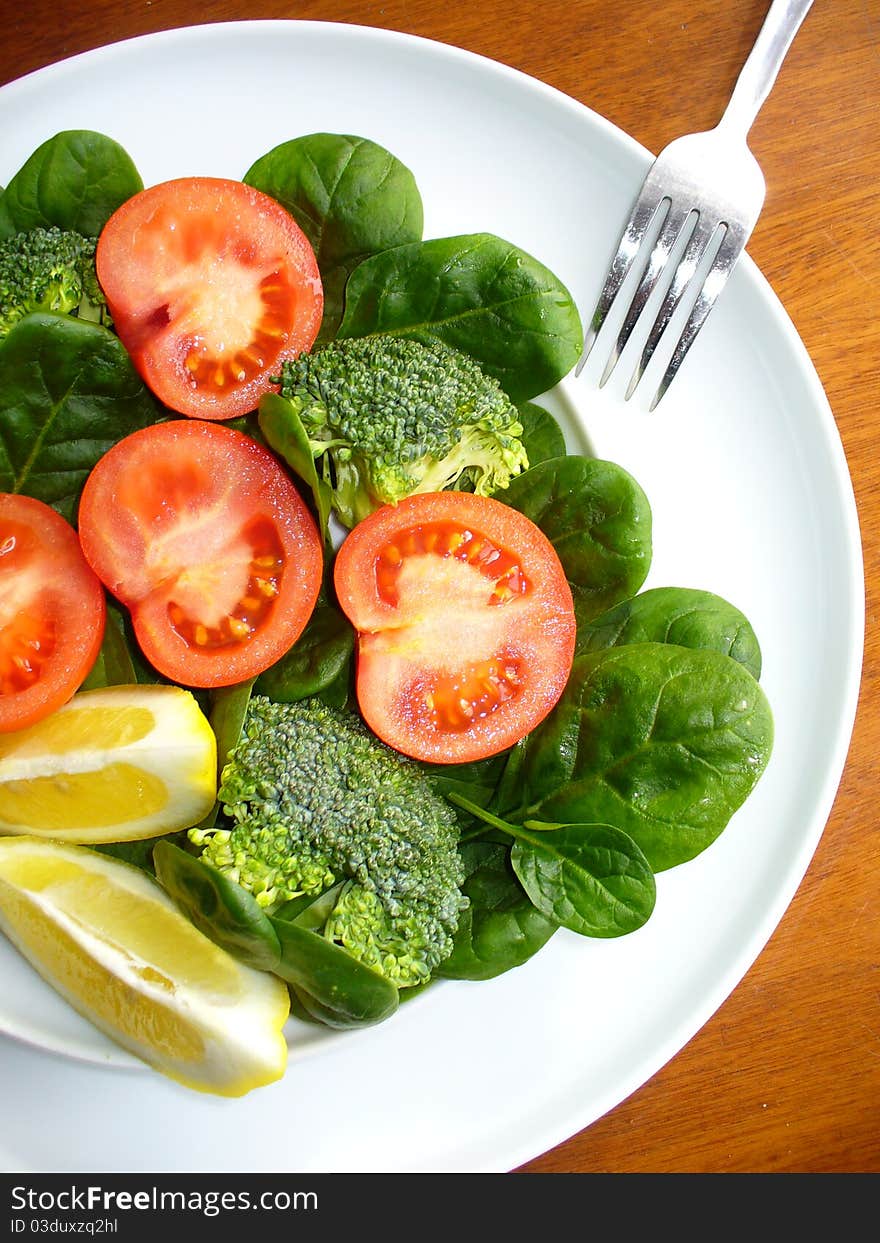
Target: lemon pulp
{"points": [[117, 764], [110, 1002], [97, 726], [113, 943]]}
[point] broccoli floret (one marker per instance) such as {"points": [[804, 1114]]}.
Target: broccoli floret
{"points": [[314, 799], [389, 416], [49, 269]]}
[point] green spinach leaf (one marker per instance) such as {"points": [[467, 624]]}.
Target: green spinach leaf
{"points": [[221, 909], [340, 693], [541, 435], [329, 982], [660, 741], [139, 854], [478, 293], [597, 518], [115, 664], [350, 197], [282, 428], [74, 180], [310, 910], [68, 391], [347, 993], [476, 779], [321, 654], [590, 878], [227, 708], [681, 615], [501, 928], [120, 661], [229, 705]]}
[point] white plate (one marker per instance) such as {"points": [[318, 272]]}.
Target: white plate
{"points": [[751, 498]]}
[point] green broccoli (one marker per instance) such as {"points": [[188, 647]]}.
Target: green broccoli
{"points": [[390, 416], [49, 269], [314, 799]]}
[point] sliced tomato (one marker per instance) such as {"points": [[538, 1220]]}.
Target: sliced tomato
{"points": [[199, 531], [465, 624], [211, 284], [52, 612]]}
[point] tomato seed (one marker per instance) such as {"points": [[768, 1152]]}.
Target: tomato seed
{"points": [[24, 651], [445, 539], [454, 703]]}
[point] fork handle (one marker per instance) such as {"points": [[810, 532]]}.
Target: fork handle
{"points": [[758, 74]]}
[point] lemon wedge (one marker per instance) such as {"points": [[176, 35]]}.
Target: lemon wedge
{"points": [[111, 765], [107, 938]]}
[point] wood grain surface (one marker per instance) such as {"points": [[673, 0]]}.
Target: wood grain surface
{"points": [[786, 1075]]}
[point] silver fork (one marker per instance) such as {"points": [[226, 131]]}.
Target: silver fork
{"points": [[704, 193]]}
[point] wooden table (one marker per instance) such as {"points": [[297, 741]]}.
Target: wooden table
{"points": [[786, 1075]]}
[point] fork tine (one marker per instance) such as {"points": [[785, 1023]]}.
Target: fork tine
{"points": [[628, 246], [728, 252], [677, 220], [697, 246], [714, 174]]}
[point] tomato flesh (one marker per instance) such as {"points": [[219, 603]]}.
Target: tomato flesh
{"points": [[52, 612], [211, 285], [247, 607], [465, 624], [199, 531]]}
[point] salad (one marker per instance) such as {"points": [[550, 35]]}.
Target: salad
{"points": [[318, 648]]}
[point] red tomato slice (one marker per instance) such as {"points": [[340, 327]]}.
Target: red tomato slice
{"points": [[211, 284], [52, 612], [198, 530], [465, 624]]}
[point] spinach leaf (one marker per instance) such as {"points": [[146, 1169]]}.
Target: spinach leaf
{"points": [[501, 929], [282, 428], [681, 615], [310, 910], [321, 654], [590, 878], [307, 1008], [476, 779], [219, 908], [74, 180], [541, 435], [120, 661], [68, 391], [350, 197], [229, 705], [478, 293], [662, 742], [339, 693], [329, 983], [114, 665], [139, 854], [599, 521], [226, 709], [348, 993]]}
